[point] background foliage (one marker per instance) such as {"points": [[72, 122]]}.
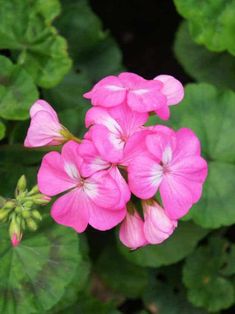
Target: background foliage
{"points": [[57, 51]]}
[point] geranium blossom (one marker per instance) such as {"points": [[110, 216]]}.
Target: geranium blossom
{"points": [[45, 128], [88, 199], [172, 164]]}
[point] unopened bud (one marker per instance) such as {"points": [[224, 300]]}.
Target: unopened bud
{"points": [[28, 204], [18, 209], [31, 224], [4, 212], [36, 214], [15, 232], [21, 184], [26, 213], [41, 199], [34, 190], [9, 205]]}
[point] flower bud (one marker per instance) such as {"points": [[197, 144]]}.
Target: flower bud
{"points": [[157, 225], [31, 224], [4, 212], [34, 190], [9, 204], [28, 204], [15, 232], [21, 184], [36, 215], [131, 232], [26, 213], [41, 199]]}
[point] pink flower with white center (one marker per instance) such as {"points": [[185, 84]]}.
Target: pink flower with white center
{"points": [[131, 232], [157, 225], [170, 163], [139, 94], [45, 128], [88, 199], [93, 162], [111, 129], [174, 92]]}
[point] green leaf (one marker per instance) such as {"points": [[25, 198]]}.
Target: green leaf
{"points": [[35, 274], [2, 130], [168, 297], [42, 52], [17, 91], [207, 287], [203, 65], [210, 113], [120, 275], [174, 249], [211, 22], [79, 281], [93, 50], [68, 101]]}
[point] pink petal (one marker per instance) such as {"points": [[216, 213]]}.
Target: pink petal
{"points": [[72, 210], [108, 92], [72, 160], [92, 161], [43, 130], [163, 112], [157, 225], [131, 80], [161, 145], [105, 219], [172, 89], [131, 232], [176, 197], [122, 185], [52, 177], [188, 144], [110, 145], [42, 105], [144, 176], [102, 189]]}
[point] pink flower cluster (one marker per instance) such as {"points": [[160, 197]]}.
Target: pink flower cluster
{"points": [[100, 178]]}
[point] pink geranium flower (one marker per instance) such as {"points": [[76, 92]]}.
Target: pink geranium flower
{"points": [[45, 128], [140, 95], [157, 225], [131, 232], [112, 128], [170, 163], [88, 199]]}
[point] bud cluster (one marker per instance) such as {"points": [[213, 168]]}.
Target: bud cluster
{"points": [[21, 212]]}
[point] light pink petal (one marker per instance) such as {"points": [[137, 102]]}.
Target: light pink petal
{"points": [[172, 89], [92, 161], [130, 121], [146, 99], [43, 131], [131, 232], [161, 145], [52, 177], [110, 145], [131, 80], [144, 176], [157, 225], [72, 160], [108, 92], [105, 219], [42, 105], [135, 146], [163, 112], [122, 185], [72, 210], [188, 144], [176, 197], [102, 189]]}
